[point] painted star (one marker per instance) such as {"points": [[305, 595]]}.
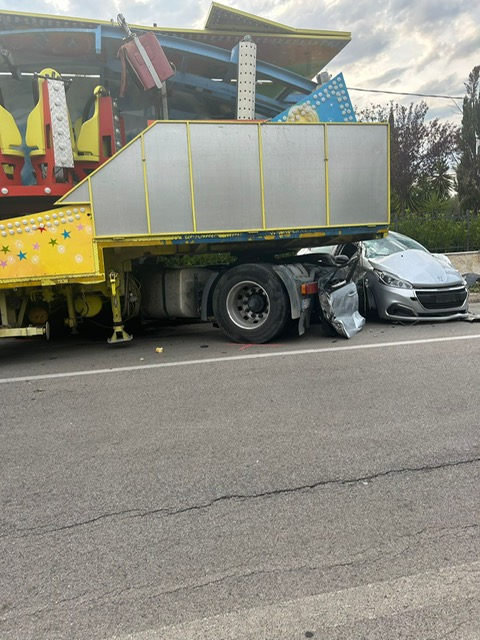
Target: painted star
{"points": [[42, 229], [5, 250], [36, 246], [3, 264], [80, 227], [66, 234], [53, 242], [22, 256]]}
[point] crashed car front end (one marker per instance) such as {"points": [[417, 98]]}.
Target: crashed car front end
{"points": [[444, 296]]}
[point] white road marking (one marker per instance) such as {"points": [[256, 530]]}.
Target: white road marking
{"points": [[405, 596], [253, 356]]}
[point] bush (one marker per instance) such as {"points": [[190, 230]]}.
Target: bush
{"points": [[440, 232]]}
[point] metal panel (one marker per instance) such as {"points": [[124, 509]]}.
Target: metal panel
{"points": [[226, 176], [168, 178], [118, 194], [294, 175], [78, 194], [61, 130], [358, 173], [246, 77]]}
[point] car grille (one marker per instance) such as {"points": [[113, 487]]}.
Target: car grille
{"points": [[442, 299]]}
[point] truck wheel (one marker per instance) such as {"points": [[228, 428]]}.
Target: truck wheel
{"points": [[250, 303]]}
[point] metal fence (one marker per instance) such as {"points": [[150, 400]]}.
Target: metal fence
{"points": [[440, 232]]}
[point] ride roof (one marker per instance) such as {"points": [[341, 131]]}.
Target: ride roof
{"points": [[301, 51]]}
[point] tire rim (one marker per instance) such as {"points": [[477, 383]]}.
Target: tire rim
{"points": [[248, 305]]}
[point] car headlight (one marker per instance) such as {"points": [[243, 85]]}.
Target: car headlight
{"points": [[392, 281]]}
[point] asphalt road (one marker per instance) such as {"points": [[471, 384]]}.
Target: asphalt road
{"points": [[319, 488]]}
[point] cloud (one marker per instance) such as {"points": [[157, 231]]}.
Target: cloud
{"points": [[391, 77], [465, 48], [442, 86]]}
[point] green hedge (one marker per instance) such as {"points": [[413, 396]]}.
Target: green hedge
{"points": [[440, 232]]}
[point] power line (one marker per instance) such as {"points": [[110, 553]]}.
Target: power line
{"points": [[401, 93]]}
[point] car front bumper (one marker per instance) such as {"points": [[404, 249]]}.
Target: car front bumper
{"points": [[421, 304]]}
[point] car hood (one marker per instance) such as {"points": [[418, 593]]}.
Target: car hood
{"points": [[419, 268]]}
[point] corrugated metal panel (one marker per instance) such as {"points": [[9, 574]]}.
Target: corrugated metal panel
{"points": [[226, 176], [358, 173], [294, 175], [168, 179], [118, 194], [242, 177]]}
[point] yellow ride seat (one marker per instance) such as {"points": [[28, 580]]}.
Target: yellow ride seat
{"points": [[88, 139], [36, 130], [10, 136], [49, 133], [12, 159]]}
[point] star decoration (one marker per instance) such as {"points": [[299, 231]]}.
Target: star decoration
{"points": [[5, 250], [53, 242], [22, 256], [42, 229], [66, 234], [3, 264], [80, 227], [36, 246]]}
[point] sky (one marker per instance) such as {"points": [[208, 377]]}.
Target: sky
{"points": [[411, 46]]}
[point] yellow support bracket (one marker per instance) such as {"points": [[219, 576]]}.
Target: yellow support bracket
{"points": [[119, 333]]}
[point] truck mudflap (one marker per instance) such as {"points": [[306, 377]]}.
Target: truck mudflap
{"points": [[340, 309]]}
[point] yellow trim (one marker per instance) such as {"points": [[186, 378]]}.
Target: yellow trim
{"points": [[262, 180], [62, 202], [389, 194], [73, 203], [327, 181], [314, 33], [145, 184], [92, 208], [299, 34], [283, 28], [192, 187], [106, 241]]}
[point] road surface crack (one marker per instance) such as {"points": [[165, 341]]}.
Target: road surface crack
{"points": [[310, 487], [283, 491]]}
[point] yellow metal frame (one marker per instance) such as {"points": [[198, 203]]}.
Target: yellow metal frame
{"points": [[52, 247], [145, 186], [79, 257], [222, 233], [190, 171]]}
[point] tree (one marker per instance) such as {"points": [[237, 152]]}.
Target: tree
{"points": [[432, 193], [468, 170], [419, 151]]}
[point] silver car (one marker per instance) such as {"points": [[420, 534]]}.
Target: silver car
{"points": [[400, 280]]}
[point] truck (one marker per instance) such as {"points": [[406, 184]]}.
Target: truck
{"points": [[188, 219]]}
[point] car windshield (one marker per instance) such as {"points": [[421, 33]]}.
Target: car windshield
{"points": [[392, 243]]}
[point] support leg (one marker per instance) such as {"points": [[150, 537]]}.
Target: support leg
{"points": [[71, 321], [119, 333]]}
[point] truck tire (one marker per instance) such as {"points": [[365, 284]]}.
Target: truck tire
{"points": [[251, 304]]}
